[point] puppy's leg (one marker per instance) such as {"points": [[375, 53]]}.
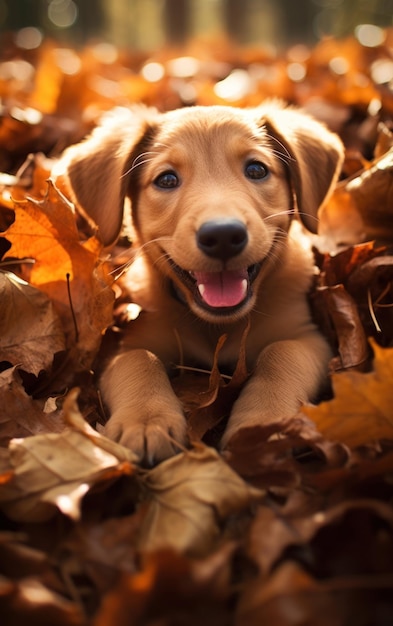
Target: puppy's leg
{"points": [[146, 416], [288, 374]]}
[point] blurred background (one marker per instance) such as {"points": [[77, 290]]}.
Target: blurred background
{"points": [[149, 24]]}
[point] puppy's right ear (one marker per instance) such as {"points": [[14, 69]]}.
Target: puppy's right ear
{"points": [[96, 169]]}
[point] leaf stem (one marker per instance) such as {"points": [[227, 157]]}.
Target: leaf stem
{"points": [[72, 308]]}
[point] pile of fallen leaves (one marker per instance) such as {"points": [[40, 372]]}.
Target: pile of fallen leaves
{"points": [[293, 525]]}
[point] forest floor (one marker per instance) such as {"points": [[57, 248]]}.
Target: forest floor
{"points": [[293, 525]]}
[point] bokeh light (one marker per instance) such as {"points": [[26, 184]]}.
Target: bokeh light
{"points": [[369, 35], [29, 38], [296, 71], [62, 13], [68, 61], [235, 86], [153, 71]]}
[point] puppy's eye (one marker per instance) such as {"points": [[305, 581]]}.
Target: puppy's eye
{"points": [[167, 180], [255, 170]]}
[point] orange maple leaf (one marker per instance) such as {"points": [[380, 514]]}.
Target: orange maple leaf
{"points": [[67, 269]]}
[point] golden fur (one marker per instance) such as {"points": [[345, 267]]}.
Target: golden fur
{"points": [[213, 191]]}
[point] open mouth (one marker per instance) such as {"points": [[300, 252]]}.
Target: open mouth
{"points": [[223, 291]]}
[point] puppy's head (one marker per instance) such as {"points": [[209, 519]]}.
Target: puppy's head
{"points": [[212, 190]]}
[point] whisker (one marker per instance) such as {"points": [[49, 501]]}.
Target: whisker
{"points": [[309, 217], [161, 258], [137, 161], [282, 157], [282, 154], [143, 155], [141, 248], [285, 154], [135, 253], [133, 167], [285, 212]]}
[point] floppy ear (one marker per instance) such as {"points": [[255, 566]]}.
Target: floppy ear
{"points": [[313, 154], [95, 169]]}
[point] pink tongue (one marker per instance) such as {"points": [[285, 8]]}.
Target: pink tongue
{"points": [[220, 289]]}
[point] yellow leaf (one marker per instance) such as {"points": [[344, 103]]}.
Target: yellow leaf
{"points": [[362, 408]]}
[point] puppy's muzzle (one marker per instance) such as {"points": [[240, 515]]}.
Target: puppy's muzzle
{"points": [[220, 292], [222, 238]]}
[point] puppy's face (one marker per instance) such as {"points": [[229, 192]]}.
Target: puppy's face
{"points": [[212, 206], [212, 192]]}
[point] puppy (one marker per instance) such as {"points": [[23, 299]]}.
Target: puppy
{"points": [[213, 191]]}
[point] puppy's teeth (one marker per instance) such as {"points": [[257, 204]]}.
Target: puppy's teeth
{"points": [[244, 285], [201, 289]]}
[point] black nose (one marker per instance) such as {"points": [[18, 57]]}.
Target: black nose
{"points": [[222, 238]]}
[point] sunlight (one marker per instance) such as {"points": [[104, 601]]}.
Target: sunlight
{"points": [[68, 503], [235, 86], [370, 35]]}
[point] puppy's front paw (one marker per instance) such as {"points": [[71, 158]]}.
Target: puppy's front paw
{"points": [[152, 438]]}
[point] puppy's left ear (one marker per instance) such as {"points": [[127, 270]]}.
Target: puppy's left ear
{"points": [[96, 171], [313, 154]]}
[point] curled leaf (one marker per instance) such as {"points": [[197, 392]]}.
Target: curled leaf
{"points": [[349, 334]]}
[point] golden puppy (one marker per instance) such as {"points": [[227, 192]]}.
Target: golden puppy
{"points": [[213, 191]]}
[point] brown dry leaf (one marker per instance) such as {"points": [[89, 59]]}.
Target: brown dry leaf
{"points": [[306, 520], [336, 303], [371, 284], [372, 193], [339, 221], [57, 470], [361, 410], [190, 495], [206, 411], [292, 597], [353, 300], [104, 549], [263, 455], [348, 548], [172, 590], [29, 601], [46, 231], [360, 208], [20, 415], [74, 418], [30, 330], [337, 268], [211, 406]]}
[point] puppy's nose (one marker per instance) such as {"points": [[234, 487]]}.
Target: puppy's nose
{"points": [[222, 238]]}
